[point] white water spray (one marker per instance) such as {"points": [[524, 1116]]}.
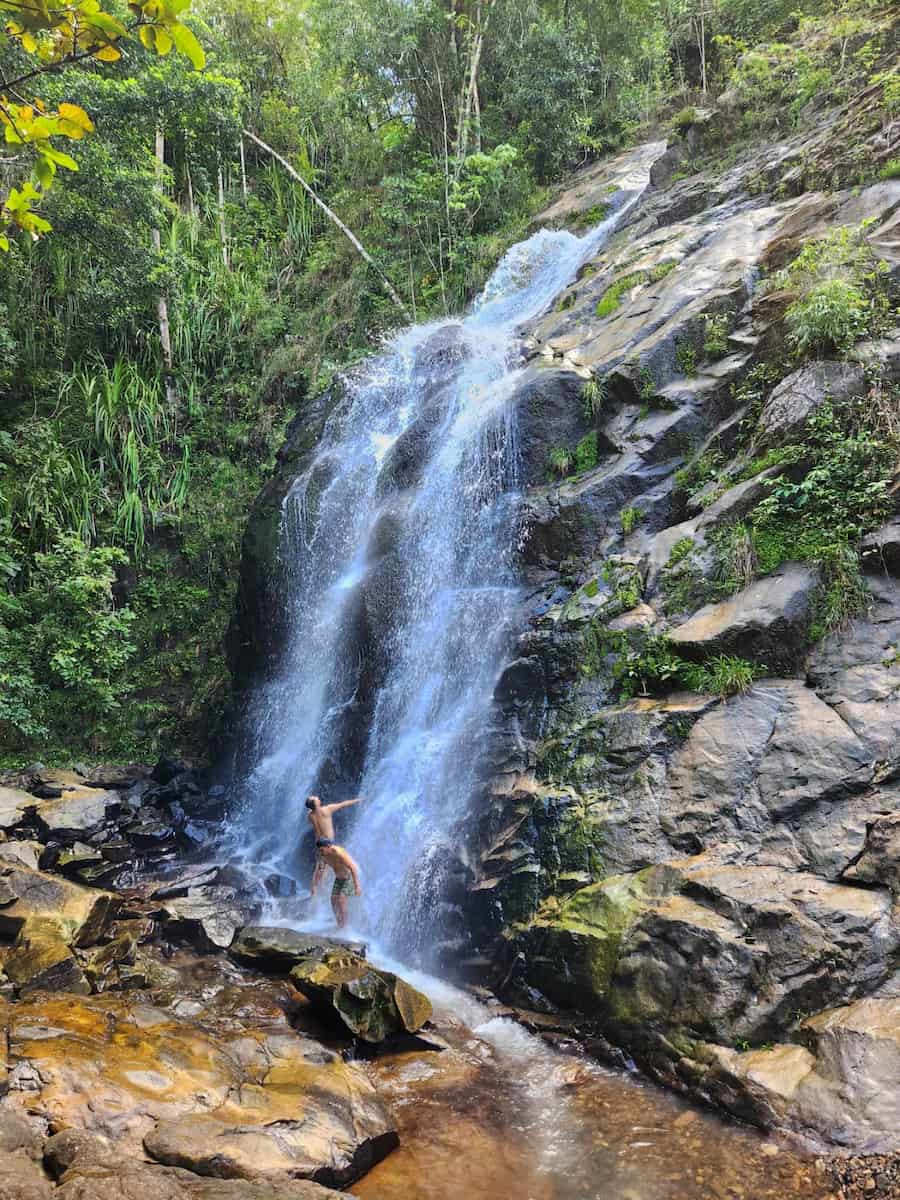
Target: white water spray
{"points": [[399, 544]]}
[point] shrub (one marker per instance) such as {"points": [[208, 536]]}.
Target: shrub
{"points": [[723, 675], [686, 359], [587, 452], [630, 517], [684, 118], [560, 461], [661, 270], [890, 170], [833, 315], [736, 560], [716, 327], [593, 395]]}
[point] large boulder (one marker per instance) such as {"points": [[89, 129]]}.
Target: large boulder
{"points": [[208, 917], [767, 621], [787, 411], [81, 915], [371, 1003], [42, 960], [146, 1181], [843, 1086], [77, 814]]}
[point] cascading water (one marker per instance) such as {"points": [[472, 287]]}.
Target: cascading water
{"points": [[399, 550]]}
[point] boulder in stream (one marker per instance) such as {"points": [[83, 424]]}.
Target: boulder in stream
{"points": [[272, 947], [373, 1004]]}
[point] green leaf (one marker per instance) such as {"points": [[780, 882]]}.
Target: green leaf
{"points": [[61, 159]]}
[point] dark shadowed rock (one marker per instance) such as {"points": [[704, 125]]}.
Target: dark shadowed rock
{"points": [[767, 621], [207, 917], [881, 549], [786, 413], [146, 1181]]}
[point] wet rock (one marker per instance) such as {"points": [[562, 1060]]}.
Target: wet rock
{"points": [[229, 1086], [208, 1146], [371, 1003], [881, 549], [22, 1179], [78, 1148], [102, 967], [152, 831], [785, 414], [81, 915], [181, 883], [19, 1134], [880, 859], [207, 917], [767, 621], [144, 1181], [276, 948]]}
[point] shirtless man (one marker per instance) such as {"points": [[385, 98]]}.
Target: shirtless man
{"points": [[321, 817], [346, 876]]}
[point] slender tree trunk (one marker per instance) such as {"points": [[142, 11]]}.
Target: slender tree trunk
{"points": [[223, 232], [162, 306], [243, 171], [335, 220]]}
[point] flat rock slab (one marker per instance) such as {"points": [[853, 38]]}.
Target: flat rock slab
{"points": [[79, 812], [80, 914], [272, 947], [21, 853], [219, 1083], [801, 394]]}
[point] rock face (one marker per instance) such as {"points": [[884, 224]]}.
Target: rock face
{"points": [[693, 873]]}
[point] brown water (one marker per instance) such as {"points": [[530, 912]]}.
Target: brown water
{"points": [[500, 1115]]}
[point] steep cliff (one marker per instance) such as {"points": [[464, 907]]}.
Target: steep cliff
{"points": [[689, 829]]}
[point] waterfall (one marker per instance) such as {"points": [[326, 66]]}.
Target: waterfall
{"points": [[398, 546]]}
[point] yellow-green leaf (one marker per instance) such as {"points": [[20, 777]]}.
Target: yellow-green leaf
{"points": [[76, 115], [4, 242], [188, 45], [163, 40], [61, 159], [147, 34]]}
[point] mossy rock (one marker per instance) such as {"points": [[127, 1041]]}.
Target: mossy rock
{"points": [[372, 1004]]}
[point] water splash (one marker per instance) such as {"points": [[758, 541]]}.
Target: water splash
{"points": [[399, 550]]}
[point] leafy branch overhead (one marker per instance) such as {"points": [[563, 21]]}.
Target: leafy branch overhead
{"points": [[51, 37]]}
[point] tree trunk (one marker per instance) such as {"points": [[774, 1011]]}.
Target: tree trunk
{"points": [[335, 220], [162, 306], [243, 171], [223, 233]]}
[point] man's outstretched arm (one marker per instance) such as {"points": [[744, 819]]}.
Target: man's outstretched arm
{"points": [[333, 808]]}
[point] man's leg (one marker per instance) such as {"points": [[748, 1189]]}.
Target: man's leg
{"points": [[339, 904]]}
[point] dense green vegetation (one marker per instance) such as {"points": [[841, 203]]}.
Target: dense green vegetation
{"points": [[155, 343]]}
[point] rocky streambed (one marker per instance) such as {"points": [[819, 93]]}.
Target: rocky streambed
{"points": [[155, 1043]]}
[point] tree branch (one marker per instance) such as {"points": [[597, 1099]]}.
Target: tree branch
{"points": [[335, 220]]}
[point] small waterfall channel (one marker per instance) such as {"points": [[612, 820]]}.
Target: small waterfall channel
{"points": [[398, 548]]}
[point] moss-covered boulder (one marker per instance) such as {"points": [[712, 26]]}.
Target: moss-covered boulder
{"points": [[372, 1004]]}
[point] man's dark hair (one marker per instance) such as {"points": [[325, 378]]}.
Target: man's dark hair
{"points": [[320, 842], [311, 802]]}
